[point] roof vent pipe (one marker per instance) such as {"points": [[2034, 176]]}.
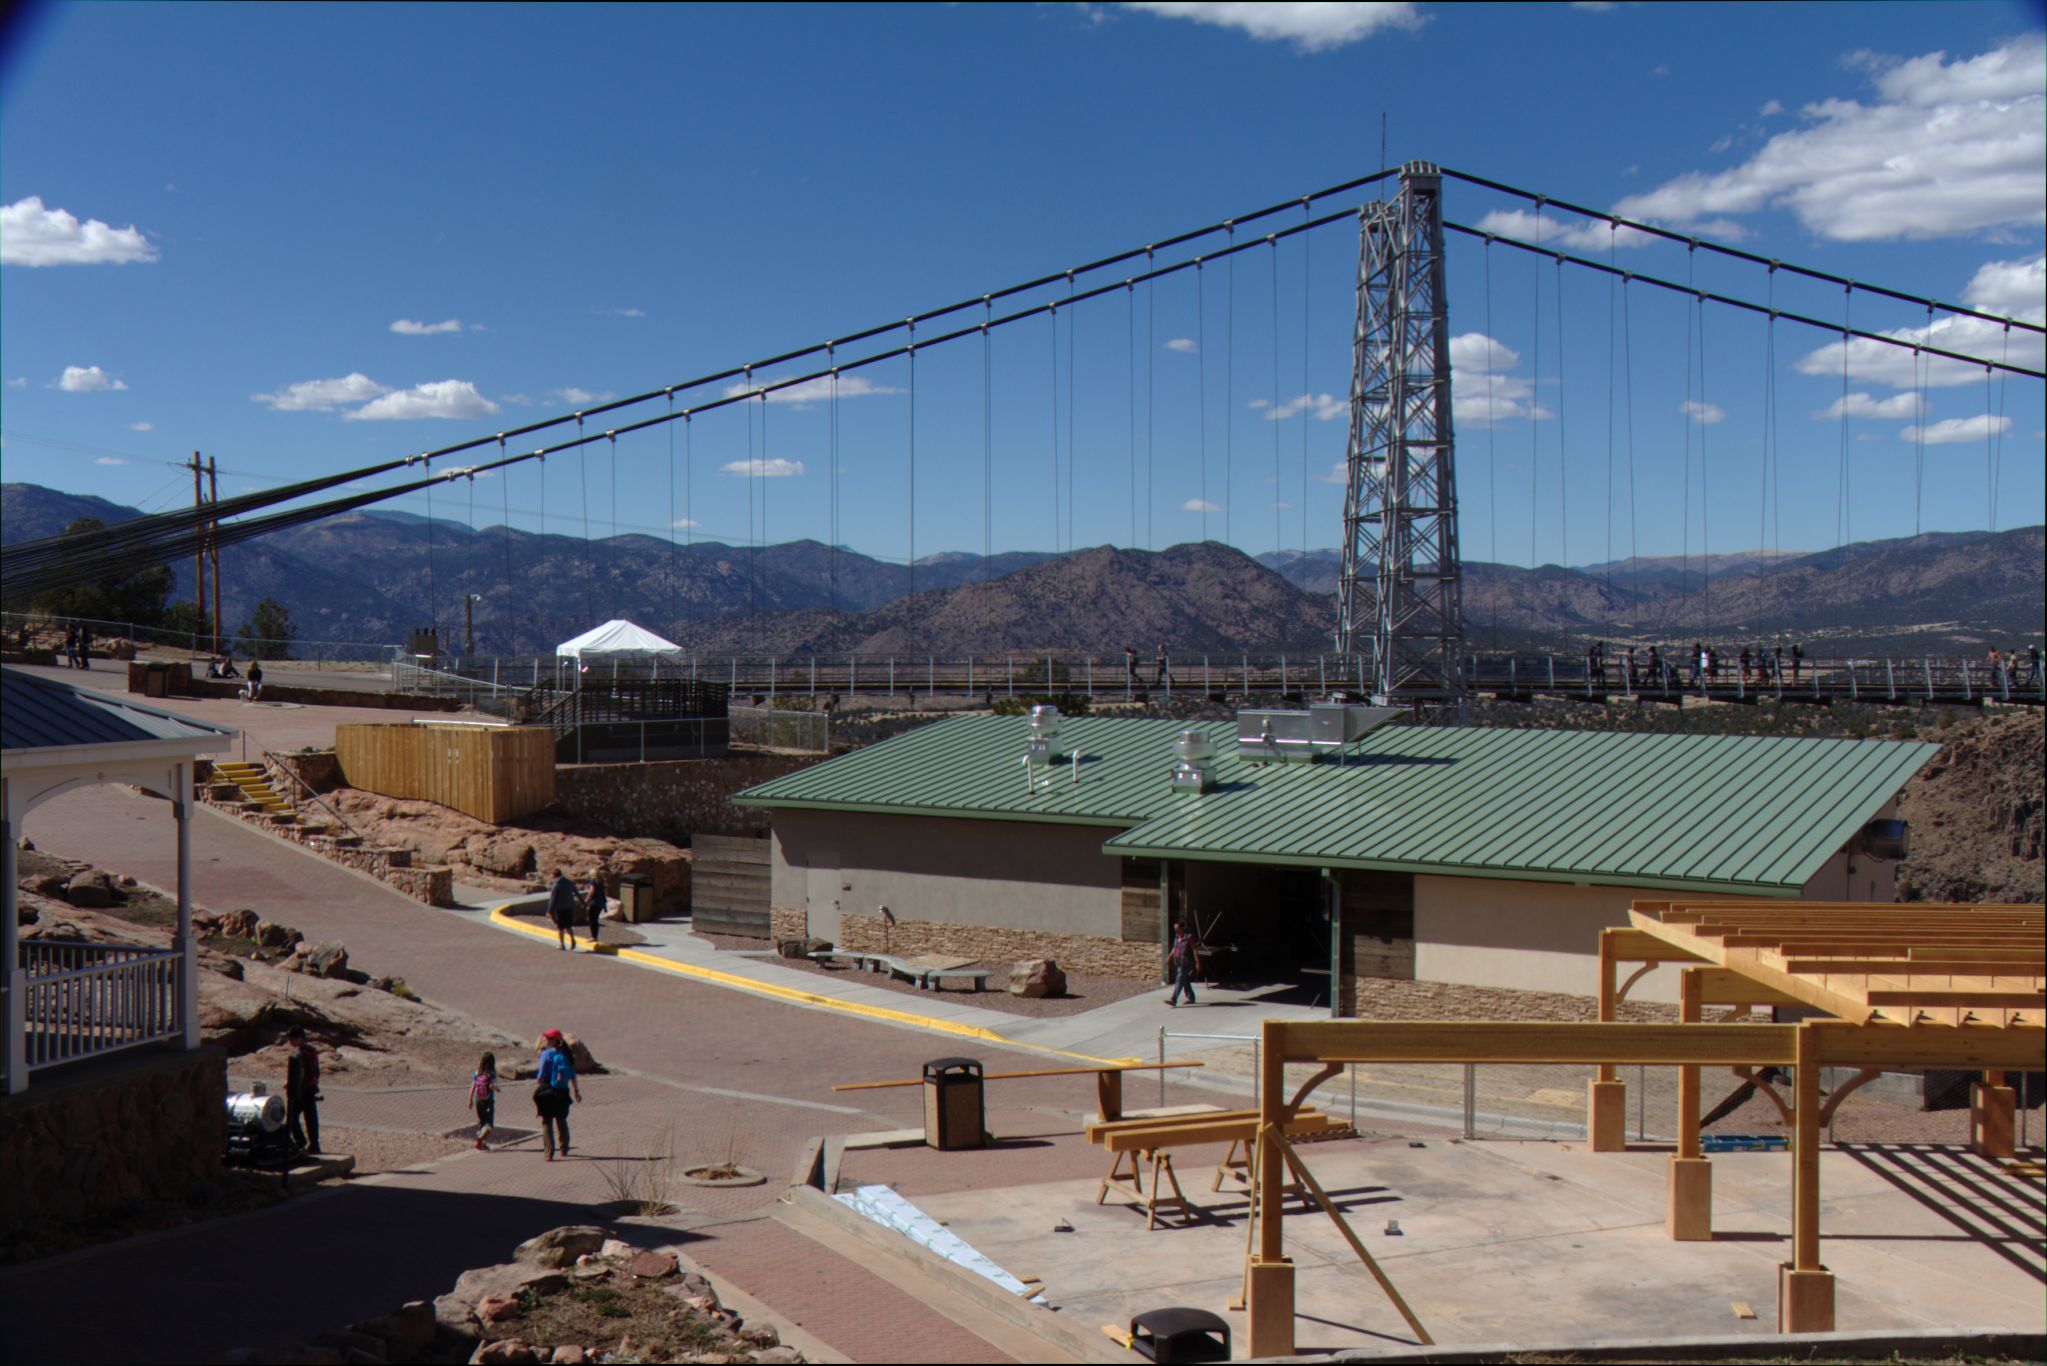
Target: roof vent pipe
{"points": [[1044, 729], [1195, 750]]}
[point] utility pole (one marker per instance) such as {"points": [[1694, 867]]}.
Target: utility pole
{"points": [[213, 545], [469, 601], [1400, 593], [199, 535]]}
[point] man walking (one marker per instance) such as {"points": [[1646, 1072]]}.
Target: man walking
{"points": [[562, 904], [1183, 960], [597, 902], [302, 1092]]}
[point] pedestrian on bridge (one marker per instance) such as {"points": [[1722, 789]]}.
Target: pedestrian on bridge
{"points": [[1129, 670], [1165, 673], [1748, 661], [2032, 665], [1797, 658]]}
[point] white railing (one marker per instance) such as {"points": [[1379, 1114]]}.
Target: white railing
{"points": [[83, 1000]]}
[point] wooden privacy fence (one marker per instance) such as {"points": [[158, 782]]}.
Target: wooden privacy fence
{"points": [[494, 773], [729, 885]]}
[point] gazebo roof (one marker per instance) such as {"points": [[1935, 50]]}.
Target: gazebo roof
{"points": [[42, 720]]}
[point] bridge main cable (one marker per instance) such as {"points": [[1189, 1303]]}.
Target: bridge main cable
{"points": [[1748, 306], [1721, 248]]}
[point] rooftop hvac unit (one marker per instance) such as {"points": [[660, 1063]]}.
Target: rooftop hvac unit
{"points": [[1045, 722], [1195, 750], [1298, 736]]}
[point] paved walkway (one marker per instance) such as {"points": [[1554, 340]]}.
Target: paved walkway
{"points": [[700, 1070]]}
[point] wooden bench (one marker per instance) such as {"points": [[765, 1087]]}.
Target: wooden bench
{"points": [[1154, 1140]]}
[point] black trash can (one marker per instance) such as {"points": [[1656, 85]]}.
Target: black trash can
{"points": [[954, 1117], [635, 898], [1180, 1335]]}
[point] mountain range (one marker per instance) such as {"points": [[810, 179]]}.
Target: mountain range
{"points": [[374, 576]]}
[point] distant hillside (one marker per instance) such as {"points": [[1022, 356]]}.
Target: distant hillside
{"points": [[373, 576], [1205, 597]]}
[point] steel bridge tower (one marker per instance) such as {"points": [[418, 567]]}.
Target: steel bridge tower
{"points": [[1400, 598]]}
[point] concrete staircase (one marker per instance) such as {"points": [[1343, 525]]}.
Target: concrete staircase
{"points": [[254, 781]]}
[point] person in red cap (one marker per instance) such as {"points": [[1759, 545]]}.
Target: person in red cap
{"points": [[555, 1089]]}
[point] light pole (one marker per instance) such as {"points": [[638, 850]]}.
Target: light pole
{"points": [[469, 601]]}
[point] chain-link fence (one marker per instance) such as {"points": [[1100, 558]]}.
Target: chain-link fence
{"points": [[806, 732]]}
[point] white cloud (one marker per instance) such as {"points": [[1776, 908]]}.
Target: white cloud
{"points": [[620, 312], [2015, 289], [1199, 505], [406, 327], [1325, 407], [685, 523], [521, 400], [1183, 345], [1579, 234], [110, 460], [1948, 148], [478, 327], [1309, 27], [1256, 403], [1339, 474], [1770, 110], [811, 390], [580, 398], [87, 379], [1958, 429], [323, 395], [142, 426], [33, 235], [1858, 404], [1705, 414], [763, 469], [456, 398], [1481, 389], [18, 382]]}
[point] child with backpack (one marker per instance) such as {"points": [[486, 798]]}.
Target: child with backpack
{"points": [[483, 1097]]}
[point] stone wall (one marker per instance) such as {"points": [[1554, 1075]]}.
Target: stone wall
{"points": [[788, 922], [1382, 998], [1084, 953], [318, 769], [670, 799], [140, 1126]]}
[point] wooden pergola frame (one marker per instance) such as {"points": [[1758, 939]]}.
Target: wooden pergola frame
{"points": [[1908, 986]]}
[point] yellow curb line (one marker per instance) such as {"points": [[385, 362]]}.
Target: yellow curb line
{"points": [[501, 916]]}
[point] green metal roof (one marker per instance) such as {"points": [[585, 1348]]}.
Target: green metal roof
{"points": [[1687, 812]]}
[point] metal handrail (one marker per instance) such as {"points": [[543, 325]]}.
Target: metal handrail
{"points": [[271, 760]]}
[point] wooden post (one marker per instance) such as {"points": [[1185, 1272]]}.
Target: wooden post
{"points": [[1109, 1095], [1992, 1109], [1606, 1099], [1805, 1288], [1270, 1276], [1688, 1214]]}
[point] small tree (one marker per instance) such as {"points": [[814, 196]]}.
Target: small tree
{"points": [[184, 624], [268, 632]]}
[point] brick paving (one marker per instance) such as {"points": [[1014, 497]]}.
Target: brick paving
{"points": [[699, 1070]]}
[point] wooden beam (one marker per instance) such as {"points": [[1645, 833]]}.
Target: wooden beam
{"points": [[1160, 1137], [1928, 998], [1527, 1042], [1914, 965], [1307, 1178], [1639, 946], [1805, 1155], [1726, 987], [1968, 1048]]}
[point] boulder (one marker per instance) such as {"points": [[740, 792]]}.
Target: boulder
{"points": [[569, 1354], [651, 1266], [50, 885], [90, 889], [230, 968], [615, 1247], [1036, 977], [509, 1352], [560, 1247], [240, 924], [506, 858], [406, 1331], [496, 1308], [506, 1279], [760, 1335], [271, 935], [580, 1055], [776, 1356], [327, 960]]}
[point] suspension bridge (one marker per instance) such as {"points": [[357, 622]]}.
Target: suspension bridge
{"points": [[1401, 619]]}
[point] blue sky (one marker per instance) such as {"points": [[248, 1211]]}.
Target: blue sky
{"points": [[307, 238]]}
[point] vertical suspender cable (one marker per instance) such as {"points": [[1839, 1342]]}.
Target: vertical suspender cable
{"points": [[831, 487], [911, 599], [1684, 577], [1201, 380], [689, 516], [1628, 379], [674, 557], [589, 553], [433, 602], [1997, 428], [617, 578], [1307, 379], [1843, 508], [1229, 382], [505, 498], [1534, 427], [987, 440], [1130, 397], [1610, 330], [1563, 446], [1919, 437], [752, 542], [469, 565], [1072, 451], [1705, 485], [1052, 315], [1492, 507], [1272, 246], [1151, 318]]}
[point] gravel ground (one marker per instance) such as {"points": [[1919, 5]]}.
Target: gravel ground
{"points": [[1083, 991]]}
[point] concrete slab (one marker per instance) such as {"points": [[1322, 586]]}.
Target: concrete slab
{"points": [[1542, 1241]]}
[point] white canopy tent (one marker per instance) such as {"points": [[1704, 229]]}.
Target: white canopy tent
{"points": [[618, 637]]}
